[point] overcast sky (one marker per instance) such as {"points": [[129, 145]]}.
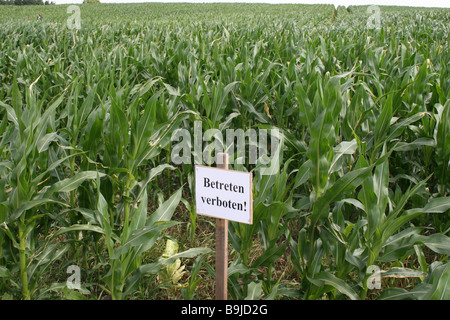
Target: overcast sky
{"points": [[412, 3]]}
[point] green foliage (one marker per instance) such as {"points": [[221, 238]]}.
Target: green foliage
{"points": [[24, 2], [86, 175]]}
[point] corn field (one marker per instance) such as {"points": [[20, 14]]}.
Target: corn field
{"points": [[359, 208]]}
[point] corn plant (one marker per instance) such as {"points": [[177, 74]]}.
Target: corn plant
{"points": [[86, 124], [31, 197]]}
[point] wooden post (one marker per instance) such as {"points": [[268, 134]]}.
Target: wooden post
{"points": [[222, 245]]}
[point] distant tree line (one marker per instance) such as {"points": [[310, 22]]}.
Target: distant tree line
{"points": [[25, 2]]}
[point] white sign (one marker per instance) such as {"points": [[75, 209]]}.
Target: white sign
{"points": [[224, 194]]}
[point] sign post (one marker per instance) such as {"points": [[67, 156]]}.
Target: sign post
{"points": [[222, 246], [226, 195]]}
